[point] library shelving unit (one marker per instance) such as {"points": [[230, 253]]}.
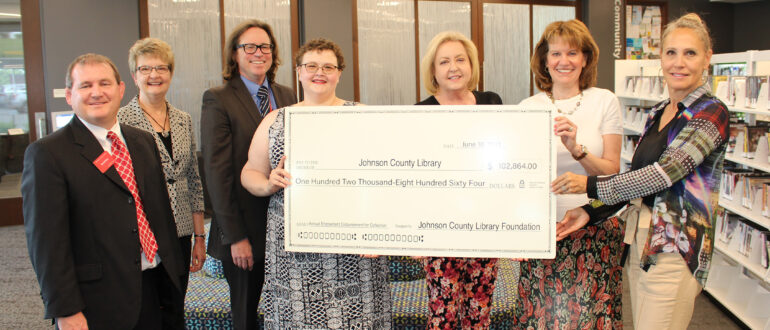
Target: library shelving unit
{"points": [[634, 99], [738, 282]]}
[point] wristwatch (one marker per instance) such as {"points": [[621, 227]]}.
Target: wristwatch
{"points": [[583, 153]]}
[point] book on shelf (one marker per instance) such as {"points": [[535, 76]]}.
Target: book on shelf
{"points": [[629, 115], [729, 69], [732, 90], [749, 242], [744, 235], [763, 99], [629, 85], [735, 129], [754, 84], [738, 88], [751, 136], [719, 86], [765, 238], [658, 86], [641, 117], [638, 85], [645, 86], [752, 188], [765, 200], [725, 226], [636, 116], [730, 179]]}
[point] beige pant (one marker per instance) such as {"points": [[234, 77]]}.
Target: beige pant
{"points": [[664, 296]]}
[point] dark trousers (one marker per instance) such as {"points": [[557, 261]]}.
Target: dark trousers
{"points": [[245, 289], [156, 287], [173, 302]]}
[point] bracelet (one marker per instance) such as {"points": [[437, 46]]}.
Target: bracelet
{"points": [[199, 236], [583, 153]]}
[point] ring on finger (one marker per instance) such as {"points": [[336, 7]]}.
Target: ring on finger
{"points": [[571, 129]]}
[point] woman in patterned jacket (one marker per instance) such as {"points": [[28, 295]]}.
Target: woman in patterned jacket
{"points": [[152, 65], [672, 188]]}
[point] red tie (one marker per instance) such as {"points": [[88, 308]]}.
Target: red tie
{"points": [[126, 170]]}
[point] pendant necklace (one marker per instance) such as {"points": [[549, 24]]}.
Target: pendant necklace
{"points": [[577, 106], [163, 132]]}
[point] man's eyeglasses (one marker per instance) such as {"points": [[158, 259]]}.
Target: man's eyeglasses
{"points": [[252, 48], [160, 69], [313, 68]]}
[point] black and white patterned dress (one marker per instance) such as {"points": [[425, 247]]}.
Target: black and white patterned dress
{"points": [[318, 290]]}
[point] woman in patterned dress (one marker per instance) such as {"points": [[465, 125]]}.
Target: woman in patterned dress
{"points": [[311, 290], [671, 192], [152, 66], [459, 289], [580, 287]]}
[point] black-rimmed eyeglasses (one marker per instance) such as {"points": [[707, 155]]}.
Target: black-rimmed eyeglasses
{"points": [[160, 69], [252, 48], [313, 67]]}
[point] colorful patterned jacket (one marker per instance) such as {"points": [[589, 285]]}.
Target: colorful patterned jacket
{"points": [[685, 182]]}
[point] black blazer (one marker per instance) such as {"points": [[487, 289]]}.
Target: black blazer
{"points": [[229, 118], [481, 98], [81, 225]]}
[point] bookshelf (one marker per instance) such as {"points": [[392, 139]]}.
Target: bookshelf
{"points": [[738, 282]]}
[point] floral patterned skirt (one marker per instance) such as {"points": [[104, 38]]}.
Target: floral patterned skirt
{"points": [[581, 288], [460, 292]]}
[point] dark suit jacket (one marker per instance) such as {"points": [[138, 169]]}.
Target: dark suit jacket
{"points": [[229, 118], [81, 225]]}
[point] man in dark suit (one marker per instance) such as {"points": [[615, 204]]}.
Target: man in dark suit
{"points": [[100, 231], [229, 116]]}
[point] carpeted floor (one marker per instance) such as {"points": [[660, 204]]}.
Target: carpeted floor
{"points": [[23, 309], [20, 301]]}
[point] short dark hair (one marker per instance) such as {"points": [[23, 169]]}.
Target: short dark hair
{"points": [[231, 66], [318, 45], [89, 58]]}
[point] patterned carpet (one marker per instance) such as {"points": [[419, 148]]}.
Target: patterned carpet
{"points": [[23, 309]]}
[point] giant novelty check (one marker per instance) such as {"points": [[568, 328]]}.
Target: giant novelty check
{"points": [[461, 181]]}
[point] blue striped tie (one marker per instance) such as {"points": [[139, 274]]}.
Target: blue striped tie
{"points": [[264, 101]]}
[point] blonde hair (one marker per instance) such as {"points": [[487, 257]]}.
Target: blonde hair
{"points": [[150, 47], [689, 21], [429, 70], [574, 33]]}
